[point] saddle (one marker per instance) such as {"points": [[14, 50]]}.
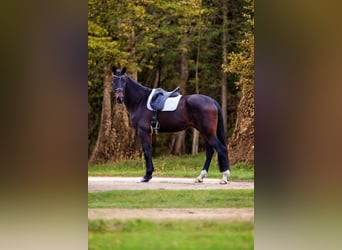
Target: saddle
{"points": [[160, 96], [157, 103]]}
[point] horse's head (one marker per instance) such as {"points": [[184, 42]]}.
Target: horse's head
{"points": [[119, 79]]}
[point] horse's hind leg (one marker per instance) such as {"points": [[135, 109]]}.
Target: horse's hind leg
{"points": [[222, 158], [209, 151]]}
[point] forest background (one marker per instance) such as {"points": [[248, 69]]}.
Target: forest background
{"points": [[204, 47]]}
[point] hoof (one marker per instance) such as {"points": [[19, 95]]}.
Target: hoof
{"points": [[223, 182], [146, 179], [197, 180]]}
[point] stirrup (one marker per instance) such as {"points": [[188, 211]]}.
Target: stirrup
{"points": [[154, 125]]}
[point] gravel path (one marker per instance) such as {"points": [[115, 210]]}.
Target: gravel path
{"points": [[226, 214], [100, 184]]}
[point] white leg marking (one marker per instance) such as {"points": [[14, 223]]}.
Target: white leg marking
{"points": [[203, 174], [225, 176]]}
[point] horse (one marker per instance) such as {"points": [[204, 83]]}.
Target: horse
{"points": [[196, 110]]}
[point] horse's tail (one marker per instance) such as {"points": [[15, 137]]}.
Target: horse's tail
{"points": [[221, 135]]}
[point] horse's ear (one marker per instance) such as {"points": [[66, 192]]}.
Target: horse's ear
{"points": [[113, 69], [123, 71]]}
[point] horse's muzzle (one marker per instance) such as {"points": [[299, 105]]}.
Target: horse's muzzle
{"points": [[120, 99]]}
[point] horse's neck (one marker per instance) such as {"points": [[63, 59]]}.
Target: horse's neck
{"points": [[135, 93]]}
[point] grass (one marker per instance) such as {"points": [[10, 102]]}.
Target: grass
{"points": [[171, 234], [172, 199], [171, 166], [164, 235]]}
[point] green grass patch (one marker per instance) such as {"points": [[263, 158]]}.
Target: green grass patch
{"points": [[171, 166], [172, 199], [164, 235]]}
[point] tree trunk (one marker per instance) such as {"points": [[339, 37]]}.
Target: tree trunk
{"points": [[106, 122], [195, 137], [178, 143], [178, 139], [116, 139], [241, 144], [156, 79], [195, 140], [224, 58], [132, 70]]}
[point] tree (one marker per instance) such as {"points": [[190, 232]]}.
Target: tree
{"points": [[224, 58], [164, 43], [177, 146], [241, 145], [115, 138], [195, 135]]}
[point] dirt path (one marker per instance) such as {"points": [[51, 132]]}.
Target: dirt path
{"points": [[226, 214], [100, 184]]}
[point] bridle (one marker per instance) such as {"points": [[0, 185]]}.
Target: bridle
{"points": [[120, 89], [120, 86]]}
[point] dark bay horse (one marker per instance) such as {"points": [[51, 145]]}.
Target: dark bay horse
{"points": [[199, 111]]}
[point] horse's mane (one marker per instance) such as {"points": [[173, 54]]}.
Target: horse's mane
{"points": [[137, 87], [137, 92]]}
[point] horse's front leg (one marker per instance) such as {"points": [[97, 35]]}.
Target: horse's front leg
{"points": [[146, 141]]}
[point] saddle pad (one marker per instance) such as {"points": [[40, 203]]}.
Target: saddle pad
{"points": [[171, 103]]}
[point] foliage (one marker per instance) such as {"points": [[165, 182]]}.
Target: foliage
{"points": [[146, 35], [241, 63], [193, 234]]}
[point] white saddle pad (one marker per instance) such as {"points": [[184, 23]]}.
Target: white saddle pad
{"points": [[170, 103]]}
